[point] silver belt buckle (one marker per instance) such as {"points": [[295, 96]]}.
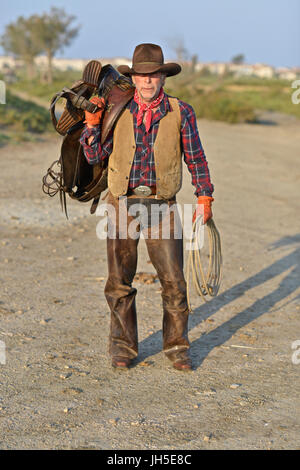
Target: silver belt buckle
{"points": [[142, 191]]}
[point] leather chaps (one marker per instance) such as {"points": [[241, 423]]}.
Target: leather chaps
{"points": [[166, 255]]}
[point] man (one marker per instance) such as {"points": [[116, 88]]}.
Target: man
{"points": [[144, 155]]}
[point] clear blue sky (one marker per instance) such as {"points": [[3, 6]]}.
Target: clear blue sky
{"points": [[266, 31]]}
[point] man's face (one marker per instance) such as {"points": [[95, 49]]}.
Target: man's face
{"points": [[148, 85]]}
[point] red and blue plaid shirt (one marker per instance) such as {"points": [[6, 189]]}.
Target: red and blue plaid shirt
{"points": [[143, 167]]}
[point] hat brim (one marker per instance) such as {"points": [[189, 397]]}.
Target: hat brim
{"points": [[169, 69]]}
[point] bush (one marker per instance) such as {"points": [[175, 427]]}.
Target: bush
{"points": [[4, 139], [46, 91], [219, 107], [216, 104], [24, 115], [33, 122]]}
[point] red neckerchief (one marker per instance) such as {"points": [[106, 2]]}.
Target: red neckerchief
{"points": [[147, 108]]}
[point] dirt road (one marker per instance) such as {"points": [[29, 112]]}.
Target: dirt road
{"points": [[58, 390]]}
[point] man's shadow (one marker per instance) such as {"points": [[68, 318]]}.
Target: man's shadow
{"points": [[202, 346]]}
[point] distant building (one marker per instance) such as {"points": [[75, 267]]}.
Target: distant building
{"points": [[61, 63], [240, 70], [9, 64], [287, 74], [116, 61], [78, 64], [263, 71], [217, 68], [256, 70]]}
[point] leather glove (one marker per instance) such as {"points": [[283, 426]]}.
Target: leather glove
{"points": [[203, 208], [93, 119]]}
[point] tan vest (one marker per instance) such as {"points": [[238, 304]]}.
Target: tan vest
{"points": [[167, 154]]}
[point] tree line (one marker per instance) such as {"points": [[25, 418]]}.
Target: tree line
{"points": [[27, 38]]}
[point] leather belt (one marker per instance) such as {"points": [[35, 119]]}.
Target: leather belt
{"points": [[142, 191]]}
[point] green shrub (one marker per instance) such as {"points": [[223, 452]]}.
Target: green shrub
{"points": [[219, 107], [226, 98], [233, 99], [216, 104], [24, 116], [45, 91], [33, 122], [4, 139]]}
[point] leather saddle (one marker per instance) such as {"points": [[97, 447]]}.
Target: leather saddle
{"points": [[71, 174]]}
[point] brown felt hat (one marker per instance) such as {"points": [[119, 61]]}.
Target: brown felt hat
{"points": [[149, 58]]}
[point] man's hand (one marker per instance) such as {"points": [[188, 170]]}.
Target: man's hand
{"points": [[203, 208], [93, 119]]}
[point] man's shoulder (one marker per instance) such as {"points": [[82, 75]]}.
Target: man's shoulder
{"points": [[130, 104]]}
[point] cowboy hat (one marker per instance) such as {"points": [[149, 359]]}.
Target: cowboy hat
{"points": [[149, 58]]}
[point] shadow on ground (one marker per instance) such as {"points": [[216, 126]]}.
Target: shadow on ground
{"points": [[202, 346]]}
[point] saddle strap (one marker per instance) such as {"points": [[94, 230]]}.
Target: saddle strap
{"points": [[94, 189], [70, 116], [94, 205]]}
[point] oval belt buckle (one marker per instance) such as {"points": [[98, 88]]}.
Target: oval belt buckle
{"points": [[142, 191]]}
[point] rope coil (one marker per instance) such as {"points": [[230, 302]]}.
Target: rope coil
{"points": [[208, 284], [52, 181]]}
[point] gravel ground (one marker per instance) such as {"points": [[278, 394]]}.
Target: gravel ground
{"points": [[58, 390]]}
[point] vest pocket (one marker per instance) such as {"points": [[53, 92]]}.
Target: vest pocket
{"points": [[117, 183], [112, 178], [169, 184]]}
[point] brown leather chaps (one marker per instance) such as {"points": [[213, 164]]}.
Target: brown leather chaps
{"points": [[166, 255]]}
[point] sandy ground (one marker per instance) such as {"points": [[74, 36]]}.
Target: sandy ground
{"points": [[58, 390]]}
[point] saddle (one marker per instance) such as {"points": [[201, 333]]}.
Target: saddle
{"points": [[71, 174]]}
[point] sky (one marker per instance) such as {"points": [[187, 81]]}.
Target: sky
{"points": [[265, 31]]}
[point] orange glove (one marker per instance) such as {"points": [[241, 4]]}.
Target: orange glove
{"points": [[93, 119], [203, 208]]}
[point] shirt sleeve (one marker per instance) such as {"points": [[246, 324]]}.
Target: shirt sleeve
{"points": [[193, 151], [95, 152]]}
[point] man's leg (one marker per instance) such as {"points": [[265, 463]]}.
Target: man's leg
{"points": [[166, 256], [120, 295]]}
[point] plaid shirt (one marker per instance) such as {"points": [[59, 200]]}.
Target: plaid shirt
{"points": [[143, 167]]}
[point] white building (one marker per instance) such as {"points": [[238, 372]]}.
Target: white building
{"points": [[7, 62], [217, 68], [287, 74]]}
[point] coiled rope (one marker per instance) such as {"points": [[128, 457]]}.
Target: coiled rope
{"points": [[209, 283]]}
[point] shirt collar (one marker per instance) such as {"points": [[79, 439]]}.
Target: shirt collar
{"points": [[163, 108]]}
